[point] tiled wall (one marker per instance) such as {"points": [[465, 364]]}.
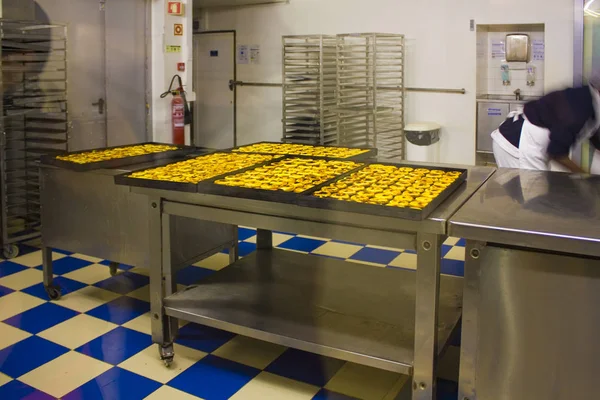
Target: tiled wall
{"points": [[489, 77]]}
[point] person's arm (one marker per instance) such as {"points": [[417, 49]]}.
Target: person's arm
{"points": [[561, 141], [566, 162]]}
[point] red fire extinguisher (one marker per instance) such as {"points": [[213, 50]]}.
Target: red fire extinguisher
{"points": [[180, 111]]}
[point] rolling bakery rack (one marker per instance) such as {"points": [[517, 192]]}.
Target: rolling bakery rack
{"points": [[33, 121], [397, 320]]}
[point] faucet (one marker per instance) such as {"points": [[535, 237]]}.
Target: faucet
{"points": [[518, 95]]}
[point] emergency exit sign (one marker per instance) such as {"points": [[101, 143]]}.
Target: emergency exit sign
{"points": [[175, 8]]}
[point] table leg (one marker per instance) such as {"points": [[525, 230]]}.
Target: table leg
{"points": [[429, 251], [234, 249], [264, 239], [53, 290], [470, 321]]}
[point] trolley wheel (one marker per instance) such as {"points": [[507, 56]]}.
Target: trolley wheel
{"points": [[10, 251], [53, 292], [167, 354], [114, 268]]}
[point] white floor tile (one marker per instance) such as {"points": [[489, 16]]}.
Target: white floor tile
{"points": [[148, 364], [367, 263], [86, 258], [169, 393], [363, 382], [142, 293], [341, 250], [23, 279], [278, 238], [216, 262], [65, 373], [85, 299], [456, 253], [269, 386], [314, 238], [4, 379], [141, 324], [140, 271], [247, 351], [405, 260], [451, 241], [77, 331], [35, 258], [16, 303], [91, 274], [384, 248], [10, 335]]}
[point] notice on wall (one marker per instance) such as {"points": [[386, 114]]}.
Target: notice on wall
{"points": [[538, 50], [494, 112], [498, 49], [172, 49], [243, 56], [255, 54]]}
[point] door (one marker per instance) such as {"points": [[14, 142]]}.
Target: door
{"points": [[214, 111], [489, 117], [104, 101]]}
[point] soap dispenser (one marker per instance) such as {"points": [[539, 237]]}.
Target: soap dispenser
{"points": [[531, 75], [505, 69]]}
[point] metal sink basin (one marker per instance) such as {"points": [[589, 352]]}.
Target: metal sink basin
{"points": [[506, 98]]}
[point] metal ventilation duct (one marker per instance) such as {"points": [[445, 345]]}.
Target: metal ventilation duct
{"points": [[232, 3]]}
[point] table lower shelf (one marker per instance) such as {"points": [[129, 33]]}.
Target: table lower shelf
{"points": [[344, 310]]}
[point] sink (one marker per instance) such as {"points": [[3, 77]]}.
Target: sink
{"points": [[506, 98]]}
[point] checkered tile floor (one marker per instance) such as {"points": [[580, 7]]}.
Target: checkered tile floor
{"points": [[95, 342]]}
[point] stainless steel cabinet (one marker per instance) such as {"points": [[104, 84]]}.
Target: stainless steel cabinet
{"points": [[489, 117]]}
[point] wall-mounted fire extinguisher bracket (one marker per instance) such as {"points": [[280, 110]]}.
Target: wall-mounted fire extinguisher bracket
{"points": [[180, 111]]}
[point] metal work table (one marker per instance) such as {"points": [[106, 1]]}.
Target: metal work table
{"points": [[384, 318], [85, 212], [532, 287]]}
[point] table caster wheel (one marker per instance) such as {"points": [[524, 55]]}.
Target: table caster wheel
{"points": [[10, 251], [167, 354], [53, 292], [114, 268]]}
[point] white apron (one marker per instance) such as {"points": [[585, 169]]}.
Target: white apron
{"points": [[506, 155]]}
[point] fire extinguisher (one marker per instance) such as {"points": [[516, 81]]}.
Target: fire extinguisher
{"points": [[180, 111]]}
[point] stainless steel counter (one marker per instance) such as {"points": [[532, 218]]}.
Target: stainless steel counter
{"points": [[403, 333], [531, 287]]}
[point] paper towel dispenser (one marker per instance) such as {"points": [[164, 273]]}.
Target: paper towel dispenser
{"points": [[517, 47], [423, 133]]}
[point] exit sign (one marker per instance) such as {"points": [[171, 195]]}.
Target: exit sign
{"points": [[175, 8]]}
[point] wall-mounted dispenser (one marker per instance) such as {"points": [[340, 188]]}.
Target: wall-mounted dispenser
{"points": [[517, 48], [505, 70], [531, 75]]}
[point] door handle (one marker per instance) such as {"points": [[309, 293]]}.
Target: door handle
{"points": [[100, 104]]}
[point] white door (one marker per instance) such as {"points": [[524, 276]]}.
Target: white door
{"points": [[214, 67], [105, 106]]}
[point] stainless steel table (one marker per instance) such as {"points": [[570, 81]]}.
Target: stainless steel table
{"points": [[532, 287], [87, 213], [384, 318]]}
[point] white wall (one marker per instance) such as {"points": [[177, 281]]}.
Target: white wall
{"points": [[441, 53]]}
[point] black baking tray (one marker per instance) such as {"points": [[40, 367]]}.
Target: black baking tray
{"points": [[126, 180], [308, 200], [371, 152], [118, 162], [210, 187]]}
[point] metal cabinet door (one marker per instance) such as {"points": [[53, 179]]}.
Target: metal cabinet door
{"points": [[489, 117]]}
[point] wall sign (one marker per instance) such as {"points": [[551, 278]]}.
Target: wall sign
{"points": [[172, 49], [498, 50], [181, 67], [243, 56], [255, 54], [178, 30], [538, 50], [494, 112], [175, 8]]}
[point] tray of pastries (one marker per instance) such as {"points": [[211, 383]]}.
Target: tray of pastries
{"points": [[186, 175], [114, 157], [409, 192], [281, 180], [305, 150]]}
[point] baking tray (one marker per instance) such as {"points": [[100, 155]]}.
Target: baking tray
{"points": [[210, 187], [371, 152], [118, 162], [307, 200], [126, 180]]}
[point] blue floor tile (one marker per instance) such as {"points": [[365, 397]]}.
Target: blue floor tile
{"points": [[14, 390], [27, 355], [446, 249], [302, 244], [40, 318], [117, 345], [124, 283], [446, 390], [9, 268], [66, 265], [192, 275], [461, 242], [203, 338], [316, 370], [66, 286], [410, 251], [122, 267], [120, 310], [244, 248], [245, 233], [325, 394], [65, 252], [453, 267], [377, 256], [214, 378], [4, 291], [115, 384]]}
